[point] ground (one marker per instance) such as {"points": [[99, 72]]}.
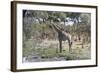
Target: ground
{"points": [[48, 50]]}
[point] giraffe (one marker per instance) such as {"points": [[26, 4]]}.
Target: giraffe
{"points": [[63, 36]]}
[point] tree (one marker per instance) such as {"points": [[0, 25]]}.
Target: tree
{"points": [[62, 16], [74, 16], [86, 18], [27, 23], [41, 15]]}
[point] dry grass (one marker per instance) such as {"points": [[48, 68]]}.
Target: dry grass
{"points": [[49, 51]]}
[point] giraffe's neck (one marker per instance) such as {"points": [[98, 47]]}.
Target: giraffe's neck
{"points": [[56, 28]]}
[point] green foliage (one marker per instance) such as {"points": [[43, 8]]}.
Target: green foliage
{"points": [[27, 48], [86, 18]]}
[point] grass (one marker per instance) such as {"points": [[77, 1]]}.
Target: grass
{"points": [[50, 51]]}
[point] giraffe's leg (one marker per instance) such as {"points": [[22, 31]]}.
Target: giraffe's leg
{"points": [[70, 48], [60, 45], [57, 48]]}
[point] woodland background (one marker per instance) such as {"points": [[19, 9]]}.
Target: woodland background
{"points": [[40, 39]]}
